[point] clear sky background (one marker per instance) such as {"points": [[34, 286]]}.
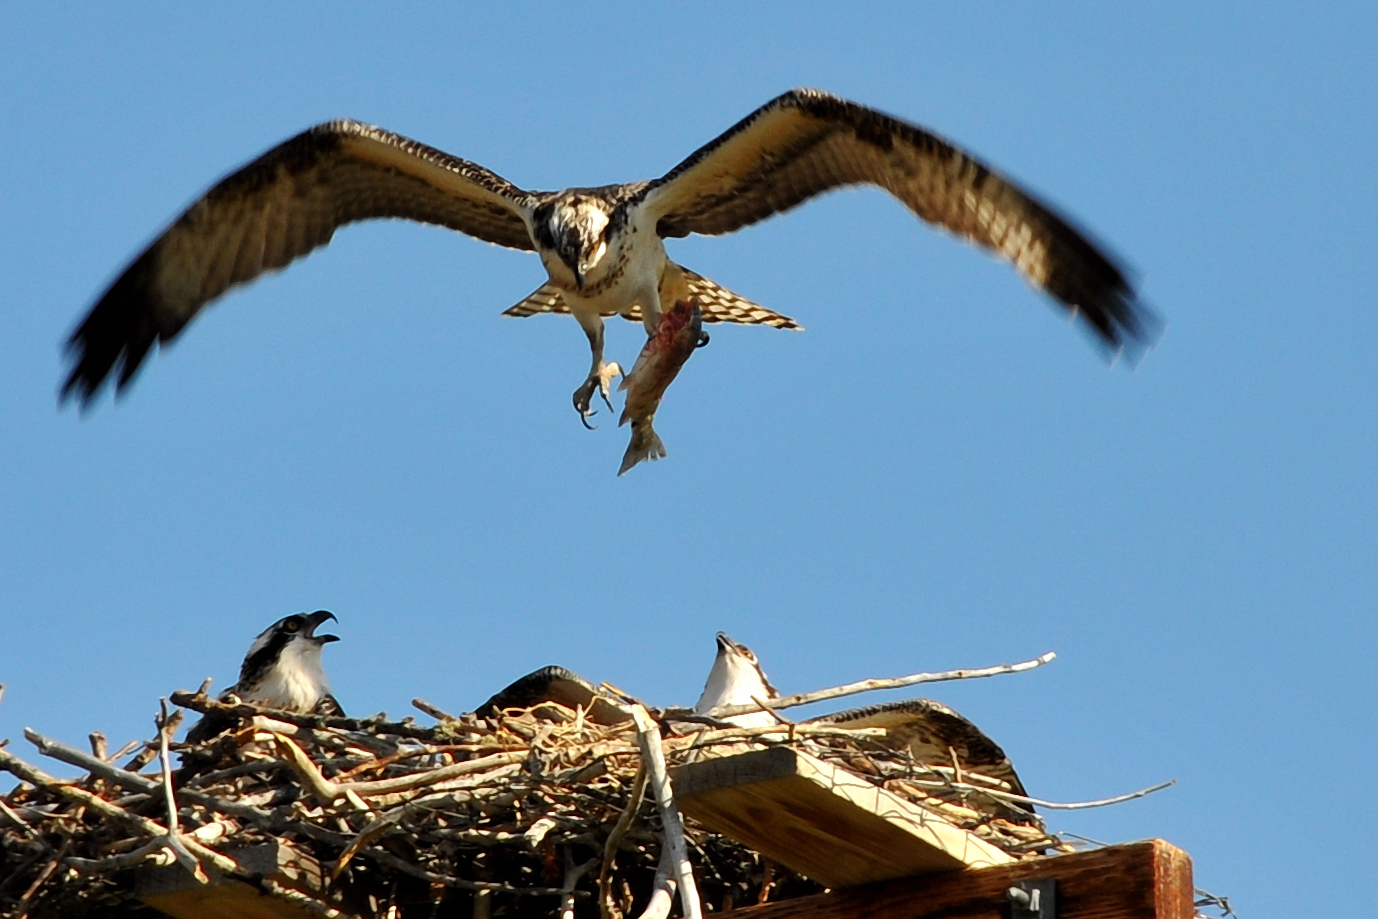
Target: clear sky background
{"points": [[940, 472]]}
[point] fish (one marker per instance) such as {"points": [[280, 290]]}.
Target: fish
{"points": [[679, 334]]}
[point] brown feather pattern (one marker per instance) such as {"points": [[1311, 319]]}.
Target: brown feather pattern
{"points": [[933, 733], [274, 210], [807, 142]]}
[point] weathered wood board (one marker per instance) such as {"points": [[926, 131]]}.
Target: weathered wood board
{"points": [[823, 821], [174, 891], [1142, 880]]}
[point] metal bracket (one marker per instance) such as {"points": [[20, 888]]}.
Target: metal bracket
{"points": [[1035, 899]]}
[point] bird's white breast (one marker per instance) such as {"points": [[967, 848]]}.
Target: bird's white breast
{"points": [[297, 682], [733, 681]]}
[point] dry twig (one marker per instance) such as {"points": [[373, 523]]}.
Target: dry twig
{"points": [[851, 689], [648, 737]]}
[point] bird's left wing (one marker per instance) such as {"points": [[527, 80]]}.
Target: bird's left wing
{"points": [[806, 142], [278, 208]]}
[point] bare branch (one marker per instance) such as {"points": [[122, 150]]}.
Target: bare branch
{"points": [[572, 875], [1039, 802], [851, 689], [35, 776], [662, 889], [648, 737], [132, 780], [439, 714], [174, 834], [376, 725], [619, 830]]}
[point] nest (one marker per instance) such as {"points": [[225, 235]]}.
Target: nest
{"points": [[526, 812]]}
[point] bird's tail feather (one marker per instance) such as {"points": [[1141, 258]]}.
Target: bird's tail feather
{"points": [[544, 299], [717, 303]]}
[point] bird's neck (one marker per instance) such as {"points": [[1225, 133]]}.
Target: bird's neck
{"points": [[733, 681], [296, 682]]}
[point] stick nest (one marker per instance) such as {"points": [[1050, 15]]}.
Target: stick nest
{"points": [[508, 815]]}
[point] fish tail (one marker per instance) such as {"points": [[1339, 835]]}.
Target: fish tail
{"points": [[645, 445]]}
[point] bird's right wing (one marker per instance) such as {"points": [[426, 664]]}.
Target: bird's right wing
{"points": [[277, 208]]}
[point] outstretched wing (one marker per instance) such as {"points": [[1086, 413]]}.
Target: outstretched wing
{"points": [[280, 207], [806, 142], [717, 303]]}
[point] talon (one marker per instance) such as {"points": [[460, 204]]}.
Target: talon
{"points": [[703, 340], [600, 380], [605, 375], [582, 397]]}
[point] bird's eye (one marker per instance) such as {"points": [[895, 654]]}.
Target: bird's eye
{"points": [[291, 625]]}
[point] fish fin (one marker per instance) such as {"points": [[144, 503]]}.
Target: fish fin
{"points": [[645, 445], [721, 305]]}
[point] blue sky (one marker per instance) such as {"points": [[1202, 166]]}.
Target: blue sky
{"points": [[940, 472]]}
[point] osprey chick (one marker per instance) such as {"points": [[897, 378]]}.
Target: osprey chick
{"points": [[282, 670], [736, 679], [602, 248]]}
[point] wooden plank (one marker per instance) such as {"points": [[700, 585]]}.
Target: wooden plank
{"points": [[173, 891], [1143, 880], [823, 821]]}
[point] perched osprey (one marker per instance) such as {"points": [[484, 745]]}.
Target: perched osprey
{"points": [[282, 670], [736, 679], [603, 248]]}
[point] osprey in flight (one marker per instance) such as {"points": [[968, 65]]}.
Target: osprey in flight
{"points": [[603, 248]]}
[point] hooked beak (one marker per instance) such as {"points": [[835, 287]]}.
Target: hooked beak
{"points": [[314, 621], [725, 643]]}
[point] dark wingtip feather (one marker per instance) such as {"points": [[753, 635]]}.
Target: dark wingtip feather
{"points": [[114, 337], [1090, 281]]}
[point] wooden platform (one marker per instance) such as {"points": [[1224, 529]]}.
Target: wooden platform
{"points": [[823, 821], [174, 891], [1142, 880]]}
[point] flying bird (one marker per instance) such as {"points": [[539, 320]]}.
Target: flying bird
{"points": [[282, 670], [736, 679], [602, 248]]}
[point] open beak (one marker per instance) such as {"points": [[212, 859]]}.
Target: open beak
{"points": [[725, 643], [314, 621]]}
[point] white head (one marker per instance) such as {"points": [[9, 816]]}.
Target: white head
{"points": [[736, 678], [572, 231], [283, 667]]}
